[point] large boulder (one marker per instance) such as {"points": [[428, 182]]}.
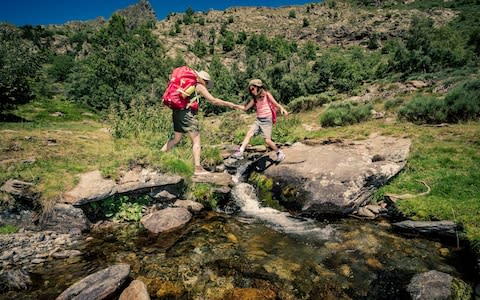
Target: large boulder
{"points": [[338, 177], [166, 220]]}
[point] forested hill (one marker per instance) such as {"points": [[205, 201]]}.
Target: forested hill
{"points": [[299, 51]]}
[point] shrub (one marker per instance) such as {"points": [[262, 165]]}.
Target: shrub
{"points": [[423, 109], [462, 103], [345, 114], [390, 104], [140, 118], [305, 103]]}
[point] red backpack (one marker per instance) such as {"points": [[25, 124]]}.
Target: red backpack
{"points": [[180, 89]]}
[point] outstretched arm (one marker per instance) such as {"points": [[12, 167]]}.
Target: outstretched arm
{"points": [[246, 106], [202, 90], [283, 111]]}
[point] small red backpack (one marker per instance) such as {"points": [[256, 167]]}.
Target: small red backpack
{"points": [[181, 86]]}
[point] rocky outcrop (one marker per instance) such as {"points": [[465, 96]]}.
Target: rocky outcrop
{"points": [[436, 285], [98, 285], [93, 187], [336, 178]]}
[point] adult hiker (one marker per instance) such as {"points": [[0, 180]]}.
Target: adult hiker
{"points": [[182, 95], [266, 107]]}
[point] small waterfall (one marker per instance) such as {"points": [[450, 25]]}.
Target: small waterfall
{"points": [[245, 196]]}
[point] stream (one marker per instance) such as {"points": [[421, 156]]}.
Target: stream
{"points": [[257, 252]]}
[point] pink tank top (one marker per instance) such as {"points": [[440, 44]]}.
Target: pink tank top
{"points": [[263, 108]]}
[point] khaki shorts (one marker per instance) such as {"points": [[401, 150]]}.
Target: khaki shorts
{"points": [[185, 121], [263, 126]]}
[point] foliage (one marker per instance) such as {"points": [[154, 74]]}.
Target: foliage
{"points": [[123, 64], [306, 103], [392, 103], [284, 129], [61, 66], [199, 48], [341, 114], [8, 229], [140, 118], [121, 208], [19, 63], [342, 70], [203, 193], [427, 49], [462, 103]]}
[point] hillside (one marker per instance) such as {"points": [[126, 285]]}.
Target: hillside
{"points": [[326, 25]]}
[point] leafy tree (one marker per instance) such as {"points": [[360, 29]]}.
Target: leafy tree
{"points": [[61, 67], [228, 41], [225, 86], [199, 48], [123, 64], [19, 63]]}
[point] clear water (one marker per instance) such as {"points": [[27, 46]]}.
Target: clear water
{"points": [[259, 253]]}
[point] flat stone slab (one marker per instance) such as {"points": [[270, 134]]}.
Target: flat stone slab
{"points": [[166, 220], [92, 187], [222, 179], [98, 285]]}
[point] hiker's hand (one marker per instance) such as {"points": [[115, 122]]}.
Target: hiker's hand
{"points": [[284, 112]]}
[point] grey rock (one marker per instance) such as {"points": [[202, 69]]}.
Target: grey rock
{"points": [[166, 220], [337, 178], [98, 285], [435, 285]]}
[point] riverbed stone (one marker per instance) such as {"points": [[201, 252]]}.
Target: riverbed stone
{"points": [[137, 290], [65, 218], [338, 177], [98, 285], [435, 285], [442, 229], [166, 220], [192, 206]]}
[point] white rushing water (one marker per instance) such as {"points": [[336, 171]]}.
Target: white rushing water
{"points": [[245, 196]]}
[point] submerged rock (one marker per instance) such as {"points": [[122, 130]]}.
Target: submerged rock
{"points": [[167, 219], [98, 285], [436, 285]]}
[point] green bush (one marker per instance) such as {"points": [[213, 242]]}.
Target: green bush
{"points": [[345, 114], [390, 104], [423, 110], [305, 103], [140, 118], [462, 103]]}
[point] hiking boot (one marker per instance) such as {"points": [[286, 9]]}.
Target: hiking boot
{"points": [[280, 156], [238, 154]]}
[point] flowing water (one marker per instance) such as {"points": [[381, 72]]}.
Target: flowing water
{"points": [[259, 253]]}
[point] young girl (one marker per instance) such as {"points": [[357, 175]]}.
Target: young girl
{"points": [[264, 103]]}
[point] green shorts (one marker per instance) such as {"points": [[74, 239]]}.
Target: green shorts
{"points": [[263, 126], [185, 121]]}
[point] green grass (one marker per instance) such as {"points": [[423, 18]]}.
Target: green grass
{"points": [[8, 229]]}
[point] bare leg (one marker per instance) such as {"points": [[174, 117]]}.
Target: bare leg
{"points": [[196, 148], [171, 143], [247, 138], [271, 144]]}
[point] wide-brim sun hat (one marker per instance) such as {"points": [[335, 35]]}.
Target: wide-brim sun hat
{"points": [[206, 77], [255, 82]]}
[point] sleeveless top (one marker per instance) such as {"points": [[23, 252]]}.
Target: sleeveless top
{"points": [[263, 108]]}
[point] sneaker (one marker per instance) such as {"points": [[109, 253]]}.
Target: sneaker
{"points": [[238, 154], [280, 156]]}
